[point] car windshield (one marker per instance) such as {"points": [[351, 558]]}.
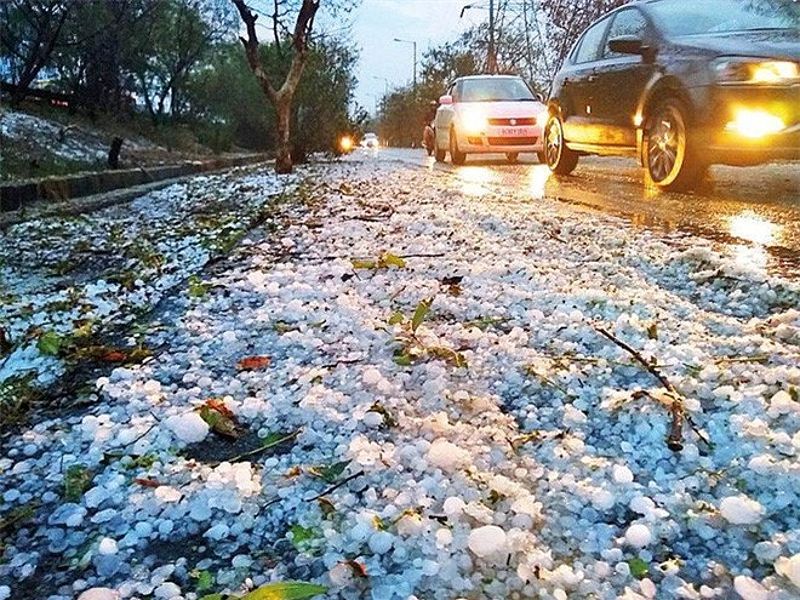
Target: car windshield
{"points": [[495, 89], [678, 17]]}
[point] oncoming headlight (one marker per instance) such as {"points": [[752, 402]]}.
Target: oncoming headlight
{"points": [[736, 70], [473, 121]]}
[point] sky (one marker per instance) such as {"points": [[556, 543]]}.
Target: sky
{"points": [[375, 24]]}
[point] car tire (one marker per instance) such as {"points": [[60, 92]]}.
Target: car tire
{"points": [[430, 150], [512, 157], [560, 159], [456, 156], [541, 158], [670, 152], [438, 154]]}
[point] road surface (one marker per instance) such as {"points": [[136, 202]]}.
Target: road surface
{"points": [[754, 211]]}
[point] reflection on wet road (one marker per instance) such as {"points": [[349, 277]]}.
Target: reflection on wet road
{"points": [[753, 211]]}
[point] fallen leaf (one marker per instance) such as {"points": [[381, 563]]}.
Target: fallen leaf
{"points": [[219, 418], [253, 363], [326, 506], [329, 473], [388, 259], [77, 480], [50, 343], [422, 310], [114, 356], [359, 569], [151, 483]]}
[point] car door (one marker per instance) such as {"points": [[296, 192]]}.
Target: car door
{"points": [[577, 83], [619, 81]]}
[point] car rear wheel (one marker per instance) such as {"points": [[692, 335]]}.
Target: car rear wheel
{"points": [[456, 156], [512, 157], [560, 159], [438, 153], [670, 153], [540, 156]]}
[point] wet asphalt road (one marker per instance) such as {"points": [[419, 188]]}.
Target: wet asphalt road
{"points": [[753, 212]]}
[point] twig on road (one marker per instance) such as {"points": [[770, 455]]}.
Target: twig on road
{"points": [[677, 408], [336, 486]]}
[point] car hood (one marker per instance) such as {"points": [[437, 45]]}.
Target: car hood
{"points": [[509, 110], [779, 44]]}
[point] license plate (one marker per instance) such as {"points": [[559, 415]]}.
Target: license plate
{"points": [[515, 132]]}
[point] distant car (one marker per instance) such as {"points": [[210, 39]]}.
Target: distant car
{"points": [[488, 114], [681, 85], [370, 140]]}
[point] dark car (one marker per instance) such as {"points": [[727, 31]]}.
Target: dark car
{"points": [[681, 85]]}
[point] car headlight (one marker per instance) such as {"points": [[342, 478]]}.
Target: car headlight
{"points": [[473, 121], [736, 70]]}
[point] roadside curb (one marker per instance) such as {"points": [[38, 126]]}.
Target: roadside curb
{"points": [[14, 196]]}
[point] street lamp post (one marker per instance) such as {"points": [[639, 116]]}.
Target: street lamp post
{"points": [[413, 43]]}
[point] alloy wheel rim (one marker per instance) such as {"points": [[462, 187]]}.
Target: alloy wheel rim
{"points": [[663, 145], [553, 142]]}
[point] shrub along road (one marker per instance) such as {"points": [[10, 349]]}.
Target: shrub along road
{"points": [[407, 385]]}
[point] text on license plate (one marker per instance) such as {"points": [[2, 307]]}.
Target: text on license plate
{"points": [[516, 132]]}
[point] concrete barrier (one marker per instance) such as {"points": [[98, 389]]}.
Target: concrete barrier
{"points": [[15, 195]]}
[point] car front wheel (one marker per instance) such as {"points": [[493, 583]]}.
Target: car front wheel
{"points": [[512, 157], [456, 156], [670, 153], [560, 159]]}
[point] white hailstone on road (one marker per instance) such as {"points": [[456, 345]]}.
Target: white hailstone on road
{"points": [[648, 588], [642, 505], [229, 337], [638, 535], [782, 403], [341, 575], [741, 510], [99, 593], [602, 499], [453, 506], [487, 540], [622, 474], [380, 542], [107, 546], [373, 419], [167, 590], [749, 589], [447, 456], [789, 568], [166, 493], [5, 592], [372, 376], [188, 428]]}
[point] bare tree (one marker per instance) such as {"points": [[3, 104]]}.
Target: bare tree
{"points": [[29, 31], [280, 97]]}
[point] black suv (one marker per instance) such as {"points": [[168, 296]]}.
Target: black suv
{"points": [[681, 85]]}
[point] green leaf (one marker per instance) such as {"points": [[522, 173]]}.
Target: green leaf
{"points": [[50, 343], [391, 260], [402, 358], [286, 590], [329, 473], [205, 580], [77, 480], [302, 537], [422, 310], [396, 318], [639, 568], [197, 287], [363, 264]]}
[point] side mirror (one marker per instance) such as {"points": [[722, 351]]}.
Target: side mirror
{"points": [[626, 44], [446, 99]]}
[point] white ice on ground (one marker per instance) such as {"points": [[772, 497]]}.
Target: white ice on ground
{"points": [[464, 451], [741, 510]]}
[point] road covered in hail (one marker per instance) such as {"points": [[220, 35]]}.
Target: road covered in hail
{"points": [[404, 384]]}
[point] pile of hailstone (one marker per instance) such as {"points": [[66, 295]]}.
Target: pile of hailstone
{"points": [[490, 446]]}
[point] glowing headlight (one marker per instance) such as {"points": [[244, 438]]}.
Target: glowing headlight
{"points": [[473, 121], [346, 143], [754, 123], [753, 71]]}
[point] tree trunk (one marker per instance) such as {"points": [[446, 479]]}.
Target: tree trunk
{"points": [[283, 150]]}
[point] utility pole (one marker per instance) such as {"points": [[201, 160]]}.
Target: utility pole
{"points": [[492, 58]]}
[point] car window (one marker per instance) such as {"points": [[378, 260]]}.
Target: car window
{"points": [[590, 49], [678, 17], [495, 89], [628, 22]]}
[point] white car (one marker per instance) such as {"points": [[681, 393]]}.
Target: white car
{"points": [[370, 141], [489, 114]]}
